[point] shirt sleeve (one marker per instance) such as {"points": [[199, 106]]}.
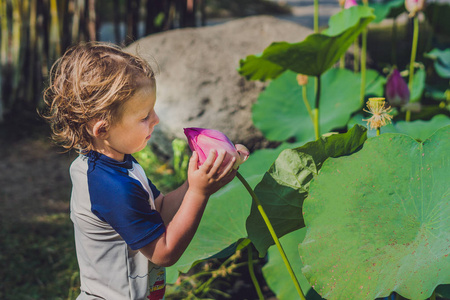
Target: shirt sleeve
{"points": [[123, 203], [154, 189]]}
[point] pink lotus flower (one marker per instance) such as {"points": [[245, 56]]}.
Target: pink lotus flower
{"points": [[414, 6], [397, 91], [204, 140], [350, 3]]}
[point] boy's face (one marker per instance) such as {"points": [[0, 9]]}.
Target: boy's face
{"points": [[131, 133]]}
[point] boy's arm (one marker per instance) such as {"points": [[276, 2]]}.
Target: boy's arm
{"points": [[203, 181], [168, 205]]}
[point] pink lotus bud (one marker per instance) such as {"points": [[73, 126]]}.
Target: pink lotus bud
{"points": [[414, 6], [204, 140], [350, 3], [397, 91]]}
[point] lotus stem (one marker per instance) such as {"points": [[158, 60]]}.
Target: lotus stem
{"points": [[273, 234], [316, 109], [413, 59], [363, 60], [316, 16], [363, 65], [305, 100], [356, 55], [252, 273]]}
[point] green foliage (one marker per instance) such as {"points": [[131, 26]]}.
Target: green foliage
{"points": [[441, 61], [316, 54], [208, 280], [418, 85], [378, 220], [180, 159], [280, 113], [160, 173], [285, 186]]}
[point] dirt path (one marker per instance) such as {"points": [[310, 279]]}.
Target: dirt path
{"points": [[34, 177]]}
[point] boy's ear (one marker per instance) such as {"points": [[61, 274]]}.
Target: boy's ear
{"points": [[98, 128]]}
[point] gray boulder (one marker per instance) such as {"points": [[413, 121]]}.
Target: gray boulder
{"points": [[198, 84]]}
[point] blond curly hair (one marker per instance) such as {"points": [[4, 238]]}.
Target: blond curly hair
{"points": [[91, 81]]}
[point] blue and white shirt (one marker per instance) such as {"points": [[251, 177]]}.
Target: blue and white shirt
{"points": [[113, 212]]}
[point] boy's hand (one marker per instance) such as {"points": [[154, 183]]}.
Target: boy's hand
{"points": [[210, 176]]}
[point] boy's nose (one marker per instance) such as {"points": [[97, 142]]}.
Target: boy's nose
{"points": [[156, 120]]}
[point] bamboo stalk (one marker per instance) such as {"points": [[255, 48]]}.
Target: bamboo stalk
{"points": [[3, 54], [54, 40], [78, 6], [92, 27], [169, 15], [41, 41], [117, 22], [132, 21], [30, 93], [5, 33], [203, 12], [65, 11], [15, 51]]}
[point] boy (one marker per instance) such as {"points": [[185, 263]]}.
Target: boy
{"points": [[101, 102]]}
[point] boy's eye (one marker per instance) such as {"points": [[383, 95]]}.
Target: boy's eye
{"points": [[146, 118]]}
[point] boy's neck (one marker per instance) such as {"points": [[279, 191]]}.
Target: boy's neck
{"points": [[108, 151]]}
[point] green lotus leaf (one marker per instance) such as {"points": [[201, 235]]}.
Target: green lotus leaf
{"points": [[345, 19], [280, 113], [377, 220], [285, 186], [382, 9], [313, 56]]}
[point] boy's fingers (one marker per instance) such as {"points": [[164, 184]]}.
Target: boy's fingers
{"points": [[218, 162], [207, 165], [228, 168], [193, 163]]}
